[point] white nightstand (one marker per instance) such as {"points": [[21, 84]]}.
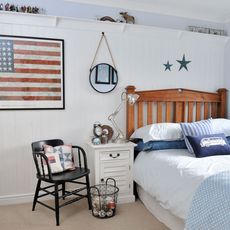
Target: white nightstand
{"points": [[116, 161]]}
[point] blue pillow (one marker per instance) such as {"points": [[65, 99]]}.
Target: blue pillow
{"points": [[197, 128], [139, 144], [158, 145], [209, 145], [228, 139]]}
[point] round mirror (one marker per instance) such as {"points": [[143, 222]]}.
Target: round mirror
{"points": [[103, 78]]}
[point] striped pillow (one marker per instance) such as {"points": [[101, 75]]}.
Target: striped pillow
{"points": [[198, 128]]}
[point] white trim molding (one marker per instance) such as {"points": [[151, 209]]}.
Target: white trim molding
{"points": [[16, 199]]}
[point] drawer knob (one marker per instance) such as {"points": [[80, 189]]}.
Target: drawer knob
{"points": [[117, 155]]}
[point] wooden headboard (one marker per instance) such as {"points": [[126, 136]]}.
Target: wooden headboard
{"points": [[173, 105]]}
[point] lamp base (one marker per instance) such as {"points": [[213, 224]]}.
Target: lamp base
{"points": [[120, 140]]}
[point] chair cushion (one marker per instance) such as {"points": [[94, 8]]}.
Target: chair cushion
{"points": [[65, 154], [54, 162]]}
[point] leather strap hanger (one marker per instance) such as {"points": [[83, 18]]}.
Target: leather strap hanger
{"points": [[107, 44]]}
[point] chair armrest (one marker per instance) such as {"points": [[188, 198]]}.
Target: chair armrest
{"points": [[81, 151], [41, 157]]}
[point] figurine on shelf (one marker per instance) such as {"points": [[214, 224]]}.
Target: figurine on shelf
{"points": [[28, 9], [7, 7], [128, 18], [35, 10], [107, 18], [12, 7], [23, 9]]}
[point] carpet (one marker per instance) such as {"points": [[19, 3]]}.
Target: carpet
{"points": [[131, 216]]}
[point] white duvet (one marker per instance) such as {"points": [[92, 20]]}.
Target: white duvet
{"points": [[172, 176]]}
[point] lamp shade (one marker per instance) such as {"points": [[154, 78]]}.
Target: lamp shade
{"points": [[132, 98]]}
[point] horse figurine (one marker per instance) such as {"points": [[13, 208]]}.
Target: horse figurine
{"points": [[128, 18]]}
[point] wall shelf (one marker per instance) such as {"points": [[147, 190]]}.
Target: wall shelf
{"points": [[95, 25]]}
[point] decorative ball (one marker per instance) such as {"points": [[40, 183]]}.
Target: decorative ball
{"points": [[102, 213], [109, 213], [95, 212]]}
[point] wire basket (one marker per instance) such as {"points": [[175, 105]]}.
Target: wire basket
{"points": [[104, 199]]}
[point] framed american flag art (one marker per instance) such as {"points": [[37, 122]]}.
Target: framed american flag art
{"points": [[31, 73]]}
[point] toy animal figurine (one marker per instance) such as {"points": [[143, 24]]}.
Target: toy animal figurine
{"points": [[12, 8], [107, 18], [35, 10], [128, 18], [23, 9], [29, 9], [7, 7]]}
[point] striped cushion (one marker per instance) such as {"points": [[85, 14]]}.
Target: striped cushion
{"points": [[198, 128]]}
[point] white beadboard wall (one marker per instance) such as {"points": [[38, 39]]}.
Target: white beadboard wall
{"points": [[139, 53]]}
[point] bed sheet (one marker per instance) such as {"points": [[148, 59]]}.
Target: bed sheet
{"points": [[163, 215], [172, 176]]}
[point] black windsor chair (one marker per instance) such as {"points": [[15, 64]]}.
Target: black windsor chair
{"points": [[60, 179]]}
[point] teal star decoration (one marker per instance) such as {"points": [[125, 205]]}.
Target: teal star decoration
{"points": [[168, 66], [183, 63]]}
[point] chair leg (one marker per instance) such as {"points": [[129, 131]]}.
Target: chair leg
{"points": [[56, 204], [88, 192], [63, 190], [36, 194]]}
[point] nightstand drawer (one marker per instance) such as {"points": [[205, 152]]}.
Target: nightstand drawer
{"points": [[114, 155]]}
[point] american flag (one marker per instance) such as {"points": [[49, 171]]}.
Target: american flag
{"points": [[31, 70]]}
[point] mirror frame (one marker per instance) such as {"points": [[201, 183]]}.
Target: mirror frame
{"points": [[104, 83]]}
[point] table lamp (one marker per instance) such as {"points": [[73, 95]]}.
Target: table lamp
{"points": [[129, 98]]}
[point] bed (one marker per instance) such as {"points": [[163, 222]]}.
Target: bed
{"points": [[173, 106]]}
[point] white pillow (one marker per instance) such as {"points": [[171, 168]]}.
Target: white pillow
{"points": [[221, 125], [159, 131]]}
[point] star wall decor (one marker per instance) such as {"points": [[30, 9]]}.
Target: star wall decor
{"points": [[183, 63], [168, 66]]}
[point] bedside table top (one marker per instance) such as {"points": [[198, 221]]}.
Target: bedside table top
{"points": [[112, 145]]}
